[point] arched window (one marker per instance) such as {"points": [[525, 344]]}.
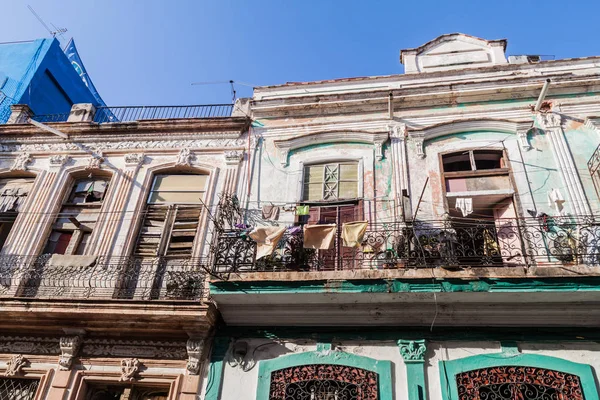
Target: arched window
{"points": [[324, 382], [518, 383], [78, 215], [13, 194], [172, 215]]}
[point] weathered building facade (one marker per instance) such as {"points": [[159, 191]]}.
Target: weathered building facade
{"points": [[426, 235], [105, 225]]}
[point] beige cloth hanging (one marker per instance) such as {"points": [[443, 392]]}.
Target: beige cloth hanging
{"points": [[270, 212], [353, 233], [266, 238], [320, 237], [62, 260]]}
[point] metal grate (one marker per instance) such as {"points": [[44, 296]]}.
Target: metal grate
{"points": [[18, 389]]}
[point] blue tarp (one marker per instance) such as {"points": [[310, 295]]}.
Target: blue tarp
{"points": [[73, 56]]}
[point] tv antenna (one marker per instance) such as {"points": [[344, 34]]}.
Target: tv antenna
{"points": [[56, 31], [231, 84]]}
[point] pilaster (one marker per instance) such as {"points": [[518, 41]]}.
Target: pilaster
{"points": [[551, 122], [215, 371], [232, 162], [413, 353]]}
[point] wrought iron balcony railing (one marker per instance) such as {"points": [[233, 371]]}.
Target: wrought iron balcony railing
{"points": [[451, 244], [106, 278]]}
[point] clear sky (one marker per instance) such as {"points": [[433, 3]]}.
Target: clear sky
{"points": [[148, 52]]}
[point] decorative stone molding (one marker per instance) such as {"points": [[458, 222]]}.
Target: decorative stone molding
{"points": [[69, 347], [20, 163], [412, 351], [129, 348], [15, 365], [397, 131], [96, 160], [287, 145], [129, 369], [19, 114], [420, 148], [233, 157], [549, 120], [123, 145], [194, 350], [523, 129], [134, 160], [58, 160], [184, 158], [593, 123], [29, 345]]}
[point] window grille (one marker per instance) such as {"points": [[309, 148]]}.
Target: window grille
{"points": [[331, 181], [522, 383], [18, 389], [324, 382]]}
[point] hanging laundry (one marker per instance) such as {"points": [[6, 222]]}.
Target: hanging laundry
{"points": [[62, 260], [270, 212], [320, 237], [302, 210], [266, 238], [353, 233], [556, 201], [464, 205]]}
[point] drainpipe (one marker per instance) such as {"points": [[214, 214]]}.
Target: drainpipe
{"points": [[538, 105], [390, 105]]}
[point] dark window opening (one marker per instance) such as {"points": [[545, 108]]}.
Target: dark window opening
{"points": [[473, 160], [457, 162], [488, 159]]}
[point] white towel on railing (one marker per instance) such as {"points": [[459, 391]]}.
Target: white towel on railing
{"points": [[464, 205], [320, 237]]}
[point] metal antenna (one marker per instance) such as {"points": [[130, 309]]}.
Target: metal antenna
{"points": [[50, 31], [231, 83]]}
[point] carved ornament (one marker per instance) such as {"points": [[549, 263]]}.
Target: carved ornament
{"points": [[129, 369], [69, 347], [134, 159], [129, 348], [412, 350], [96, 160], [549, 120], [29, 345], [15, 365], [233, 157], [58, 160], [194, 350], [184, 158], [20, 163]]}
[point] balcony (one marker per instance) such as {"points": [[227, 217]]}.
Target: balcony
{"points": [[103, 278], [454, 244]]}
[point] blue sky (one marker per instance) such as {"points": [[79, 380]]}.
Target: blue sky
{"points": [[148, 52]]}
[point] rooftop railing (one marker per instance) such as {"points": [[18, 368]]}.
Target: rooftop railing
{"points": [[103, 277], [451, 244], [138, 113]]}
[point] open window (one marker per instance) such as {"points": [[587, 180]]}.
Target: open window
{"points": [[172, 215], [13, 194], [78, 215]]}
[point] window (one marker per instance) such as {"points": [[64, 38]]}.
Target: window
{"points": [[115, 392], [331, 181], [473, 160], [18, 389], [13, 193], [172, 215], [324, 382], [516, 382], [77, 219]]}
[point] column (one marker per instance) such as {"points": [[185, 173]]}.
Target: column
{"points": [[551, 122], [413, 353], [232, 161], [400, 168], [109, 223]]}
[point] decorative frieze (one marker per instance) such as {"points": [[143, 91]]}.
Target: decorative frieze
{"points": [[69, 346], [194, 350], [15, 365], [129, 369], [20, 163], [126, 348], [412, 351], [124, 145], [29, 345]]}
